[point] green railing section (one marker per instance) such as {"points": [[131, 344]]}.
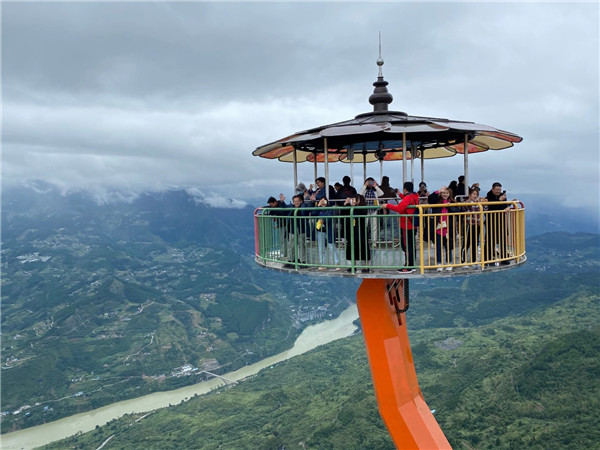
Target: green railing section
{"points": [[364, 239]]}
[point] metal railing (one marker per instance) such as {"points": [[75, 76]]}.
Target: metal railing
{"points": [[371, 240]]}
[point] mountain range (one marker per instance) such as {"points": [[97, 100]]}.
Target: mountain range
{"points": [[506, 361], [105, 301]]}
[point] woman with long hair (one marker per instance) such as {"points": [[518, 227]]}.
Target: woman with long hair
{"points": [[473, 222], [444, 227], [357, 242]]}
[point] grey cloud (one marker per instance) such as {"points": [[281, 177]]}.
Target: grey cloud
{"points": [[145, 96]]}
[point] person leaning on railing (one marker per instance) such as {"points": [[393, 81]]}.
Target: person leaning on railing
{"points": [[496, 231], [274, 203], [473, 222], [407, 226], [296, 229], [279, 223]]}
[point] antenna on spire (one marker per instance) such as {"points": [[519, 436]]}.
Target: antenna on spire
{"points": [[380, 59], [380, 98]]}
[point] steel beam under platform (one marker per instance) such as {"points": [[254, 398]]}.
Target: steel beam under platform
{"points": [[382, 305]]}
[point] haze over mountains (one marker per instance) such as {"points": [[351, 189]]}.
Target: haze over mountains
{"points": [[546, 212]]}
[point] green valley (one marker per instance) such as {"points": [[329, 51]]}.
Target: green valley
{"points": [[528, 381], [508, 363], [100, 305]]}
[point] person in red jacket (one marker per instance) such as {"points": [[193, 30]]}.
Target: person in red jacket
{"points": [[407, 226]]}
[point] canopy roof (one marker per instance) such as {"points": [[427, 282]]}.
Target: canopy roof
{"points": [[382, 135]]}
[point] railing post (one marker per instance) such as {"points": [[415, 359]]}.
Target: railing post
{"points": [[421, 240], [352, 262], [256, 234], [296, 233], [482, 221]]}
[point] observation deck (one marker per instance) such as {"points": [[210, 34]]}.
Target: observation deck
{"points": [[387, 249], [293, 240]]}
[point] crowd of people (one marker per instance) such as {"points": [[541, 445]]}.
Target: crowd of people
{"points": [[361, 230]]}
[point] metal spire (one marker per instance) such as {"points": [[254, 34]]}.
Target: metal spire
{"points": [[380, 98], [380, 59]]}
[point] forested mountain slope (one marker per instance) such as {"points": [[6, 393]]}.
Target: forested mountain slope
{"points": [[507, 361], [103, 302]]}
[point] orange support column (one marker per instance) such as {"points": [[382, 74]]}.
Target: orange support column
{"points": [[381, 307]]}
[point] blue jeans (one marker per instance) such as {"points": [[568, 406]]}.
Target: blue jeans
{"points": [[442, 241], [332, 251]]}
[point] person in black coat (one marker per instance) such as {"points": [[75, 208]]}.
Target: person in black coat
{"points": [[296, 229], [279, 227], [496, 231], [357, 242], [345, 191], [443, 228]]}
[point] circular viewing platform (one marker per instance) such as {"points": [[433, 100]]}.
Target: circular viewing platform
{"points": [[339, 241]]}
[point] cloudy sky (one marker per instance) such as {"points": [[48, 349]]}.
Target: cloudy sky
{"points": [[121, 98]]}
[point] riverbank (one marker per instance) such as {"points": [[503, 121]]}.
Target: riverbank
{"points": [[312, 337]]}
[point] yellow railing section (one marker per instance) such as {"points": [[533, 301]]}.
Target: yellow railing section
{"points": [[462, 237]]}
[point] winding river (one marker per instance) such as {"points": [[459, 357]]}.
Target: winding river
{"points": [[310, 338]]}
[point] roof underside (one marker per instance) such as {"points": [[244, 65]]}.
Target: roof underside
{"points": [[379, 136]]}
